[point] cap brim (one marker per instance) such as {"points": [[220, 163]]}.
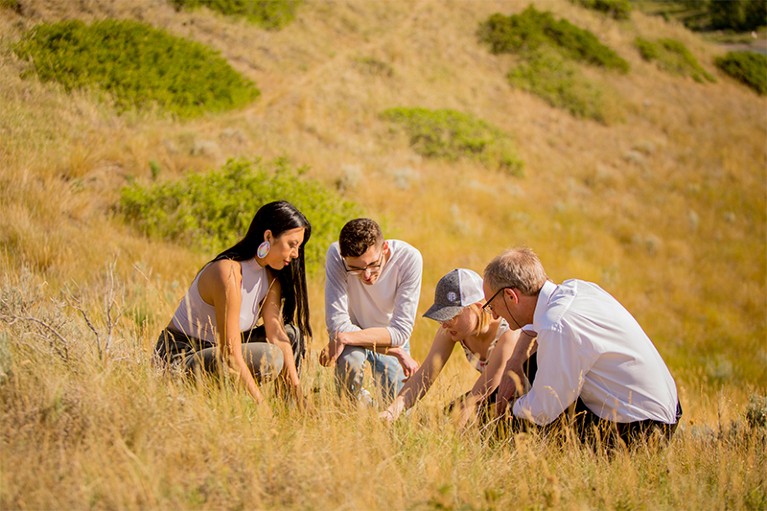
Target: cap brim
{"points": [[442, 313]]}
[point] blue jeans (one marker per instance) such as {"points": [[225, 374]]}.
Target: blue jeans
{"points": [[386, 369]]}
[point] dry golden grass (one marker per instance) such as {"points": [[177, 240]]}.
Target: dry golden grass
{"points": [[667, 210]]}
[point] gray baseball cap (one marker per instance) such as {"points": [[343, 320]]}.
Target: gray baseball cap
{"points": [[456, 290]]}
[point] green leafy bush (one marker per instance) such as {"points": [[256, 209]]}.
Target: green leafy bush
{"points": [[530, 30], [672, 56], [10, 4], [137, 65], [616, 9], [269, 14], [748, 67], [452, 135], [211, 211], [561, 84], [739, 15]]}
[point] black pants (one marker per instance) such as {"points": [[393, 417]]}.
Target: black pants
{"points": [[593, 430], [174, 347], [588, 427]]}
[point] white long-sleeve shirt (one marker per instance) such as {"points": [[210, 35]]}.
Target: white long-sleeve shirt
{"points": [[590, 346], [391, 302]]}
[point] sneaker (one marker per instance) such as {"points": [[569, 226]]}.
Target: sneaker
{"points": [[365, 398]]}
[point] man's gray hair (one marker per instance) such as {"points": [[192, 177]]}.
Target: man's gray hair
{"points": [[518, 268]]}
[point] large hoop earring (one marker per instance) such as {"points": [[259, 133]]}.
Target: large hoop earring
{"points": [[263, 249]]}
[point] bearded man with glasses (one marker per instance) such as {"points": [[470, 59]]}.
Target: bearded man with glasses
{"points": [[372, 288], [593, 357]]}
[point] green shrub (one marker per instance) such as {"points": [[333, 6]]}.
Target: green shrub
{"points": [[547, 75], [616, 9], [748, 67], [530, 30], [741, 15], [10, 4], [452, 135], [672, 56], [269, 14], [137, 65], [211, 211]]}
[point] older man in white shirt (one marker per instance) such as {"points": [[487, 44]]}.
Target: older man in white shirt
{"points": [[590, 351]]}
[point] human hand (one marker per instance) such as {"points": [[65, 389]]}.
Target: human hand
{"points": [[393, 412], [387, 415], [512, 385], [408, 363], [331, 352]]}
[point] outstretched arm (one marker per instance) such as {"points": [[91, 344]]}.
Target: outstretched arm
{"points": [[275, 334], [490, 378], [420, 383], [220, 284], [513, 378]]}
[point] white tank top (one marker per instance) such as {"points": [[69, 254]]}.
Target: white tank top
{"points": [[197, 318]]}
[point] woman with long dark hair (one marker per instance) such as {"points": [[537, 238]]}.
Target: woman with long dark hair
{"points": [[262, 277]]}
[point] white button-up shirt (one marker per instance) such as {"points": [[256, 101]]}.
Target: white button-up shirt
{"points": [[590, 346]]}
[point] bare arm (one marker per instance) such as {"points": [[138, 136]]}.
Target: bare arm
{"points": [[275, 334], [513, 378], [377, 339], [491, 377], [371, 338], [417, 386], [220, 285]]}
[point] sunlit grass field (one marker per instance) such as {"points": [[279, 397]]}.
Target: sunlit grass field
{"points": [[666, 208]]}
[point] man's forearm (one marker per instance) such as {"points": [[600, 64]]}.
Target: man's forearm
{"points": [[377, 338], [524, 348]]}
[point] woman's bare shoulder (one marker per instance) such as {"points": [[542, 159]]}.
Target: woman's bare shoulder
{"points": [[221, 272]]}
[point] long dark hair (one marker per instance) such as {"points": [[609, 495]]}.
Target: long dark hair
{"points": [[278, 217]]}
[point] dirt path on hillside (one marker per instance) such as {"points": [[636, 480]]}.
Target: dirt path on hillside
{"points": [[757, 45]]}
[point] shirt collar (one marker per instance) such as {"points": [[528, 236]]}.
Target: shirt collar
{"points": [[544, 295]]}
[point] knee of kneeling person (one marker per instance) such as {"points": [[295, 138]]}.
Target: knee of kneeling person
{"points": [[271, 364], [352, 358]]}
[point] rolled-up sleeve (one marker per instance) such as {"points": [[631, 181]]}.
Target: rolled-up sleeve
{"points": [[336, 294], [406, 301]]}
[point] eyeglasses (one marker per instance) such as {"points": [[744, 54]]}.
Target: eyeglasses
{"points": [[487, 305], [372, 268]]}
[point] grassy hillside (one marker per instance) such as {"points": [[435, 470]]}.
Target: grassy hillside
{"points": [[665, 206]]}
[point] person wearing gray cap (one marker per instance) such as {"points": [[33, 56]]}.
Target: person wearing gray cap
{"points": [[487, 342]]}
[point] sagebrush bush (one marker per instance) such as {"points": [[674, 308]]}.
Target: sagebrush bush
{"points": [[211, 211], [756, 411], [747, 67], [137, 65], [561, 84], [616, 9], [673, 57], [528, 31], [452, 135], [269, 14]]}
